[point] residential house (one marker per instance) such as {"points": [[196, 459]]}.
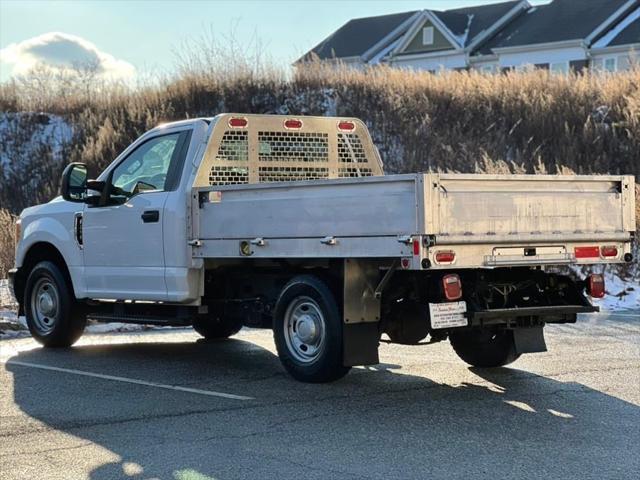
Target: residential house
{"points": [[560, 35], [447, 39]]}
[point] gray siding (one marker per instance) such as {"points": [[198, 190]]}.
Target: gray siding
{"points": [[440, 42]]}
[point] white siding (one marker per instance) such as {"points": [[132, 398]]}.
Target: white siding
{"points": [[447, 62], [487, 67], [623, 60], [542, 56]]}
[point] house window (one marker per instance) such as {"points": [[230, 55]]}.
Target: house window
{"points": [[610, 64], [427, 36], [559, 68]]}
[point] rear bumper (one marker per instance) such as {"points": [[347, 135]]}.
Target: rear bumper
{"points": [[553, 314]]}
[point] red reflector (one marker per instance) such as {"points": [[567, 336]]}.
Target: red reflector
{"points": [[346, 126], [293, 124], [609, 251], [405, 263], [595, 285], [452, 287], [587, 252], [445, 256], [416, 247], [238, 122]]}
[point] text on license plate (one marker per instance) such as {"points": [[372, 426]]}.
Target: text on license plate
{"points": [[446, 315]]}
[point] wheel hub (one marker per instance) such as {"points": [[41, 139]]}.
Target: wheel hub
{"points": [[46, 304], [307, 329], [304, 329]]}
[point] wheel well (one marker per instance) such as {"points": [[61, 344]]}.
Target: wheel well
{"points": [[39, 252]]}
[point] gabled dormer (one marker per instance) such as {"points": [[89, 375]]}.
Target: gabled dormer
{"points": [[444, 39], [428, 34]]}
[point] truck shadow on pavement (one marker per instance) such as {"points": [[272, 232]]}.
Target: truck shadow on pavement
{"points": [[376, 423]]}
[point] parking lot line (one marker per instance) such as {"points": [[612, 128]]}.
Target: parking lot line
{"points": [[197, 391]]}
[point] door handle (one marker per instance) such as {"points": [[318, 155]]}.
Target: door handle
{"points": [[150, 216]]}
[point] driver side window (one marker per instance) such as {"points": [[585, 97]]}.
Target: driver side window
{"points": [[147, 167]]}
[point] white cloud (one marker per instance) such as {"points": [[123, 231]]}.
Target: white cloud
{"points": [[61, 51]]}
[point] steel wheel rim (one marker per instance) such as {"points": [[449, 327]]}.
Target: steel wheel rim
{"points": [[45, 305], [304, 329]]}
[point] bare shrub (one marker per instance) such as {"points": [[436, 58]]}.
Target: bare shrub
{"points": [[7, 241], [529, 122]]}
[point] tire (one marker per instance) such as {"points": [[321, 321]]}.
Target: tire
{"points": [[307, 330], [484, 348], [217, 328], [54, 317]]}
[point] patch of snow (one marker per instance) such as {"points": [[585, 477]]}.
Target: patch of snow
{"points": [[12, 334], [12, 326], [6, 296], [27, 136], [462, 39], [621, 294], [116, 327]]}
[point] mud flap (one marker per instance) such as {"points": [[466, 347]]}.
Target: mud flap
{"points": [[360, 344], [529, 340]]}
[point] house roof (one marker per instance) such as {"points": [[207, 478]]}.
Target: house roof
{"points": [[558, 21], [357, 36], [627, 32], [467, 23], [629, 35]]}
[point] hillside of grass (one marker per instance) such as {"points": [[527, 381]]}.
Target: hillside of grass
{"points": [[529, 122]]}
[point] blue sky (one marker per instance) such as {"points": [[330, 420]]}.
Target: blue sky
{"points": [[142, 35]]}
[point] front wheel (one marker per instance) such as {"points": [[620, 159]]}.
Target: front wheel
{"points": [[484, 348], [53, 316], [308, 331]]}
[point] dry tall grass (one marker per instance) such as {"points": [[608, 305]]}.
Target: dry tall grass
{"points": [[456, 121], [7, 242]]}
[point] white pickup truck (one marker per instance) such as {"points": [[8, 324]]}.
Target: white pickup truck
{"points": [[290, 224]]}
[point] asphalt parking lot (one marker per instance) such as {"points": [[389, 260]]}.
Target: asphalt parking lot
{"points": [[164, 404]]}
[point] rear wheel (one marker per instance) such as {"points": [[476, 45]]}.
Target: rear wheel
{"points": [[54, 317], [308, 331], [484, 348]]}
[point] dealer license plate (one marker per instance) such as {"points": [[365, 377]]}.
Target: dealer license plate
{"points": [[447, 315]]}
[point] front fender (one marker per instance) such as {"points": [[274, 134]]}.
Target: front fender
{"points": [[57, 229]]}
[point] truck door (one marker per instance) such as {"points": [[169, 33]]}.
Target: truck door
{"points": [[123, 242]]}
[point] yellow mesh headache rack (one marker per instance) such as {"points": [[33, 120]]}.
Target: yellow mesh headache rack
{"points": [[277, 148]]}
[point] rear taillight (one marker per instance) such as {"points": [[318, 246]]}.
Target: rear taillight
{"points": [[416, 246], [293, 124], [452, 287], [238, 122], [587, 252], [346, 126], [595, 285], [445, 256], [609, 251]]}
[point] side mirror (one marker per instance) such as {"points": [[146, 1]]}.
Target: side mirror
{"points": [[74, 182]]}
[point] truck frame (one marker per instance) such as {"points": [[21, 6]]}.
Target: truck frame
{"points": [[289, 223]]}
